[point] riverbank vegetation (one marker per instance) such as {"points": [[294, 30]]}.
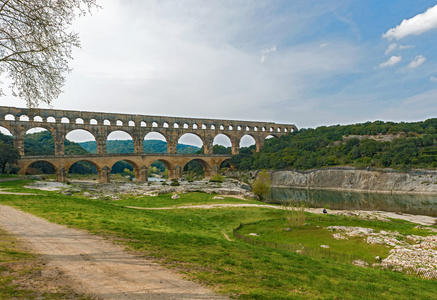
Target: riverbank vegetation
{"points": [[371, 144], [194, 241]]}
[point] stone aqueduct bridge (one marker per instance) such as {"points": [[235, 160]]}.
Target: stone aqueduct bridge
{"points": [[60, 122]]}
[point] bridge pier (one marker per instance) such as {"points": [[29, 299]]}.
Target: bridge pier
{"points": [[175, 173], [142, 174], [104, 175], [61, 175]]}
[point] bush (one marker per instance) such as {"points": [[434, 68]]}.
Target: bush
{"points": [[261, 185], [217, 178], [174, 182]]}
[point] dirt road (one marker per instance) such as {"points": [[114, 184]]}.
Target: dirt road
{"points": [[95, 265]]}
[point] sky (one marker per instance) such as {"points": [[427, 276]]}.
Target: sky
{"points": [[302, 62]]}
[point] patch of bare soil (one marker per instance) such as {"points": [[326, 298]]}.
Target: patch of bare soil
{"points": [[96, 266]]}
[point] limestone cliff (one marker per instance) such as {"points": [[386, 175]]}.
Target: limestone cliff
{"points": [[359, 180]]}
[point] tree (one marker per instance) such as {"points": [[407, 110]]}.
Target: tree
{"points": [[35, 45], [8, 155], [261, 185]]}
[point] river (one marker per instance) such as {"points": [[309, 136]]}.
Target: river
{"points": [[405, 203]]}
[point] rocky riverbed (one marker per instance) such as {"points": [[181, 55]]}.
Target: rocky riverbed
{"points": [[114, 190]]}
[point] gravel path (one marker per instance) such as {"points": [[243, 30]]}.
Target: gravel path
{"points": [[97, 266]]}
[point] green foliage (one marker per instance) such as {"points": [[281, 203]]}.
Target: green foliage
{"points": [[174, 182], [324, 146], [8, 156], [217, 178], [261, 185]]}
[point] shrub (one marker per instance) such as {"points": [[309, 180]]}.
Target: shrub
{"points": [[261, 185], [217, 178], [174, 182]]}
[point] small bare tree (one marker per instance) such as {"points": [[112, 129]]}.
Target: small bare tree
{"points": [[35, 45], [294, 213]]}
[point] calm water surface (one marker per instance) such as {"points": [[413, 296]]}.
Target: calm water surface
{"points": [[412, 204]]}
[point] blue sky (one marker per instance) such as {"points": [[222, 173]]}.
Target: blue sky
{"points": [[302, 62]]}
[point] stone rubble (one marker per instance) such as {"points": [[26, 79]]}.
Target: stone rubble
{"points": [[411, 252]]}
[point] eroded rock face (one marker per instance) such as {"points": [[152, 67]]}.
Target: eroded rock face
{"points": [[358, 180]]}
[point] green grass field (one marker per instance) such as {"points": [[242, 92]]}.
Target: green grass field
{"points": [[192, 241]]}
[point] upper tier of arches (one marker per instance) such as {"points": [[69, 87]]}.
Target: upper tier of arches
{"points": [[127, 120]]}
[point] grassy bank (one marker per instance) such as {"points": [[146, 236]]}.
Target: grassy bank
{"points": [[192, 241]]}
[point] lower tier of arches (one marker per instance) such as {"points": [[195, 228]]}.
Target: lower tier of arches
{"points": [[175, 164]]}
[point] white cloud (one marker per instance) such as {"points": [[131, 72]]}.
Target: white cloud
{"points": [[391, 61], [265, 53], [414, 26], [395, 46], [417, 61], [391, 48], [323, 45], [433, 79]]}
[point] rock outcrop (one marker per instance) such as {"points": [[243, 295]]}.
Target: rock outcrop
{"points": [[349, 179]]}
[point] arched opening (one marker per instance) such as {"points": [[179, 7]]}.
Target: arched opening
{"points": [[230, 127], [154, 124], [158, 171], [155, 142], [37, 119], [222, 127], [80, 141], [24, 118], [255, 128], [212, 126], [123, 171], [51, 120], [5, 132], [185, 126], [247, 128], [93, 122], [65, 120], [271, 129], [40, 167], [194, 126], [165, 125], [9, 117], [189, 143], [39, 141], [285, 130], [238, 128], [83, 167], [131, 123], [263, 129], [175, 125], [143, 124], [279, 129], [119, 142], [247, 141], [269, 138], [106, 122], [119, 123], [222, 144], [79, 121], [225, 165], [194, 170], [203, 126]]}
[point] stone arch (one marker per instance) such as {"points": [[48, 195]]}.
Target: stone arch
{"points": [[79, 121], [122, 164], [78, 135], [37, 119], [37, 141], [119, 123], [45, 166], [75, 167], [24, 118], [207, 169], [213, 127], [247, 140], [165, 125], [93, 122], [131, 123], [106, 122], [175, 125], [115, 137], [191, 138], [159, 142], [9, 117], [51, 119], [65, 120], [194, 126], [221, 142], [155, 124], [5, 131], [143, 124]]}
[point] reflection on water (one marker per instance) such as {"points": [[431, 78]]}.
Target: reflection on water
{"points": [[412, 204]]}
